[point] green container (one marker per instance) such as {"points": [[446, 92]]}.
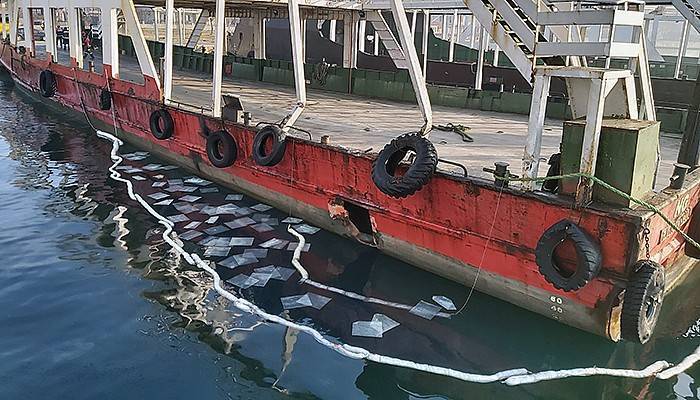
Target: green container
{"points": [[626, 158]]}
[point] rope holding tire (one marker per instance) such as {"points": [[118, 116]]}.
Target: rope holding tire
{"points": [[269, 134], [47, 83], [588, 256], [161, 123], [642, 301], [419, 172], [221, 149], [105, 100]]}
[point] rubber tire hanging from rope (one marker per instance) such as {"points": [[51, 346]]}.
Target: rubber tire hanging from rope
{"points": [[47, 83], [642, 301], [105, 100], [162, 125], [419, 172], [279, 145], [588, 256], [221, 149]]}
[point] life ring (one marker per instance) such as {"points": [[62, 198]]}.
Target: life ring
{"points": [[221, 149], [47, 83], [105, 100], [161, 124], [588, 256], [642, 301], [419, 172], [273, 135]]}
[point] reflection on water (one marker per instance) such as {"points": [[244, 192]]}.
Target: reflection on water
{"points": [[97, 303]]}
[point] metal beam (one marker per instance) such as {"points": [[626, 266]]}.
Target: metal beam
{"points": [[49, 34], [295, 27], [424, 45], [414, 69], [169, 39], [453, 37], [682, 47], [218, 56], [483, 43], [110, 42]]}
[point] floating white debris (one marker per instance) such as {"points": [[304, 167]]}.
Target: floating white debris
{"points": [[217, 251], [159, 176], [190, 198], [197, 181], [261, 207], [178, 218], [169, 167], [189, 235], [234, 197], [307, 229], [227, 209], [387, 323], [193, 225], [163, 203], [306, 300], [152, 167], [279, 273], [209, 190], [367, 329], [274, 244], [241, 241], [243, 211], [425, 310], [292, 220], [138, 178], [262, 227], [216, 241], [212, 220], [293, 246], [185, 208], [215, 230], [133, 170], [257, 253], [243, 281], [158, 195], [261, 277], [445, 302], [238, 260], [158, 184], [240, 222], [173, 182]]}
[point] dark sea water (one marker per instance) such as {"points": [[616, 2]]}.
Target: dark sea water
{"points": [[94, 305]]}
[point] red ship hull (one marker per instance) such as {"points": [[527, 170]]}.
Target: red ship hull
{"points": [[456, 227]]}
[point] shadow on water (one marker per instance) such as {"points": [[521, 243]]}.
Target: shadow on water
{"points": [[53, 161]]}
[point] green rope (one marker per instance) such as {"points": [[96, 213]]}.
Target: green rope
{"points": [[613, 189]]}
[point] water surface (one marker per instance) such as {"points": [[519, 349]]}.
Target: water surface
{"points": [[95, 305]]}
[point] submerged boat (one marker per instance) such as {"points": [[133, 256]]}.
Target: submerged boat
{"points": [[570, 247]]}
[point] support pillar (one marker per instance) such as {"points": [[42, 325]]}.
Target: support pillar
{"points": [[28, 22], [414, 16], [219, 50], [535, 129], [424, 44], [682, 47], [295, 27], [332, 28], [444, 27], [168, 62], [259, 35], [414, 70], [156, 34], [376, 43], [496, 54], [74, 38], [49, 34], [472, 36], [361, 36], [480, 61], [351, 24], [110, 42], [591, 136], [453, 37]]}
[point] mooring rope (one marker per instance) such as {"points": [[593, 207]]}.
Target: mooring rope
{"points": [[510, 377]]}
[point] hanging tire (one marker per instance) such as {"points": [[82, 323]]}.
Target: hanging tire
{"points": [[161, 124], [642, 301], [419, 172], [221, 149], [279, 144], [105, 100], [47, 83], [588, 256]]}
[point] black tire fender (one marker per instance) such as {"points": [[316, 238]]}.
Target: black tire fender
{"points": [[279, 145], [221, 149], [419, 172], [588, 256], [47, 83], [161, 123], [641, 303], [105, 100]]}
